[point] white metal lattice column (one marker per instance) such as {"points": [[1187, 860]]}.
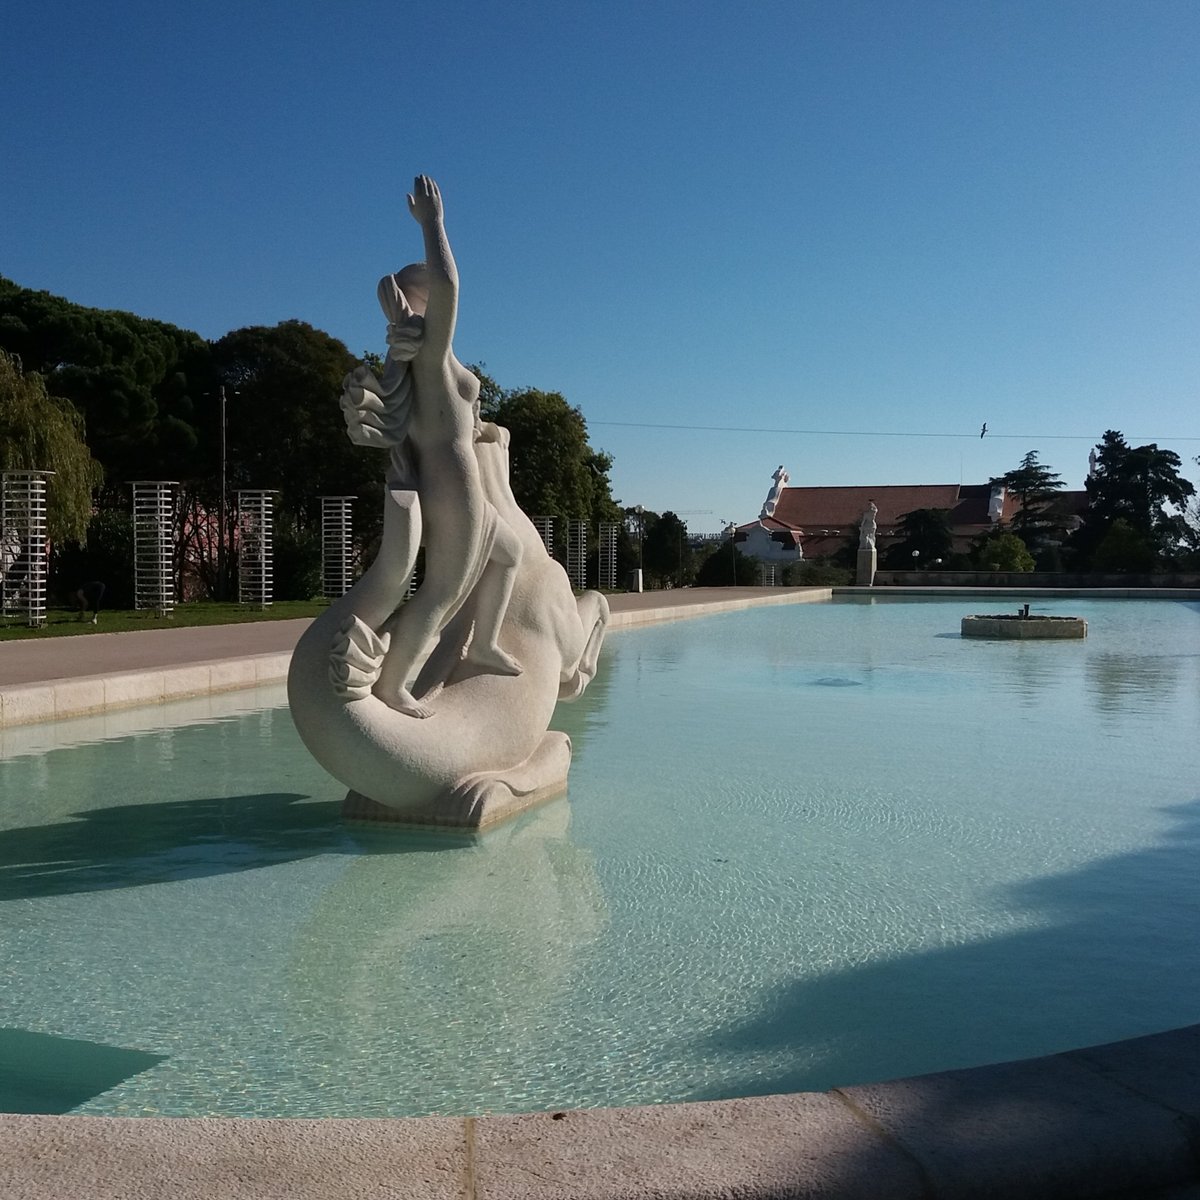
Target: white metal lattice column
{"points": [[256, 546], [577, 554], [23, 544], [337, 525], [153, 546], [545, 528], [766, 574], [608, 555]]}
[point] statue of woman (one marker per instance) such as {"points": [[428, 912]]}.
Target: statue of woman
{"points": [[371, 662], [867, 527], [468, 547]]}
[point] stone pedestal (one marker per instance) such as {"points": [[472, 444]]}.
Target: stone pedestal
{"points": [[866, 568]]}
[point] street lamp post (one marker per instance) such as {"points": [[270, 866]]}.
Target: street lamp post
{"points": [[224, 507], [732, 551]]}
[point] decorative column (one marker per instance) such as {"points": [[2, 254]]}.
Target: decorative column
{"points": [[23, 544], [256, 545], [577, 554], [336, 546], [608, 556], [153, 546], [545, 528]]}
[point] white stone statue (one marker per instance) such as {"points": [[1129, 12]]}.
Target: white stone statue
{"points": [[867, 527], [1093, 462], [437, 709], [996, 503], [781, 478]]}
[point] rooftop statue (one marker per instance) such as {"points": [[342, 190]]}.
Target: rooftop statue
{"points": [[436, 710], [779, 482]]}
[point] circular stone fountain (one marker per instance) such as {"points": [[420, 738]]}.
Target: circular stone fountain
{"points": [[1023, 624]]}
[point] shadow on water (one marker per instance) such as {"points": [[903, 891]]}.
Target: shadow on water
{"points": [[132, 845], [41, 1073], [1039, 990]]}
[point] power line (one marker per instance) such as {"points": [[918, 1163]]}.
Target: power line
{"points": [[1017, 437]]}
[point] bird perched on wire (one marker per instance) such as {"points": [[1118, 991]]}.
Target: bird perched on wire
{"points": [[983, 430]]}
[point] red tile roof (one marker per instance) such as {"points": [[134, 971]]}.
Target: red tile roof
{"points": [[814, 508], [826, 516]]}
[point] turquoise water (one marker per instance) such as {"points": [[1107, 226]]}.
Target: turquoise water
{"points": [[803, 847]]}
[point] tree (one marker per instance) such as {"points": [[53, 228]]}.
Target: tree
{"points": [[1124, 549], [727, 566], [554, 470], [134, 380], [286, 432], [1002, 551], [925, 531], [1191, 519], [107, 556], [1034, 485], [41, 432], [1134, 484], [285, 428], [666, 556]]}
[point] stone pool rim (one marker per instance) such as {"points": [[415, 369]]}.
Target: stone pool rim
{"points": [[1121, 1119]]}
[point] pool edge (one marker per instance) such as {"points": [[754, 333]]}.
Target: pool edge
{"points": [[89, 695], [1121, 1119]]}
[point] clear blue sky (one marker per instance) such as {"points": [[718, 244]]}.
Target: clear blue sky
{"points": [[871, 225]]}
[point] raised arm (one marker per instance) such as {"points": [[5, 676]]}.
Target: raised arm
{"points": [[425, 204]]}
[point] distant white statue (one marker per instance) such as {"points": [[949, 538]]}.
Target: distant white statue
{"points": [[996, 503], [867, 527], [1093, 461], [781, 478], [437, 708]]}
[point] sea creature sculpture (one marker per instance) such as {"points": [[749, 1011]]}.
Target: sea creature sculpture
{"points": [[436, 710]]}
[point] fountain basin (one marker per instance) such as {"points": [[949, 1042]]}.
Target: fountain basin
{"points": [[1022, 625]]}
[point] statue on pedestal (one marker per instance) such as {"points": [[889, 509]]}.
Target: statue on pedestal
{"points": [[436, 710], [867, 527]]}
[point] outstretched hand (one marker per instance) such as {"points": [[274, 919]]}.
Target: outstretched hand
{"points": [[425, 201]]}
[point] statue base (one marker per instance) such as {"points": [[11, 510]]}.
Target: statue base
{"points": [[482, 800], [866, 568], [359, 808]]}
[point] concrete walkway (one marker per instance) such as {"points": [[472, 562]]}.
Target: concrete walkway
{"points": [[1117, 1121]]}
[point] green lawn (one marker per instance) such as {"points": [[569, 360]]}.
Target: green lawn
{"points": [[65, 622]]}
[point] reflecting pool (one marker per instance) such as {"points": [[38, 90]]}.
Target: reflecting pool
{"points": [[803, 847]]}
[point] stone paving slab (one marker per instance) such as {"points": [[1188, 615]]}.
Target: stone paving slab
{"points": [[809, 1144], [113, 1158], [1041, 1129], [1164, 1066]]}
